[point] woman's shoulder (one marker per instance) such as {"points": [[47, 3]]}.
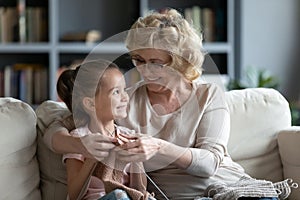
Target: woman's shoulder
{"points": [[209, 88], [209, 93]]}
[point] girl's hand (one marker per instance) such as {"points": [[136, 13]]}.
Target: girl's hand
{"points": [[139, 149], [125, 138], [97, 145]]}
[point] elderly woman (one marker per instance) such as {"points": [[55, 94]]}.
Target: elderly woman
{"points": [[183, 124]]}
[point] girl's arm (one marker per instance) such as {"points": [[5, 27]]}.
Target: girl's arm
{"points": [[78, 173]]}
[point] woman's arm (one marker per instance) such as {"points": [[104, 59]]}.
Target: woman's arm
{"points": [[211, 141], [145, 148], [203, 159], [94, 146], [78, 173], [208, 140], [58, 139], [63, 142]]}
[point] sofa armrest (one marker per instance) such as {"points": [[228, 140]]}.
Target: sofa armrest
{"points": [[289, 149]]}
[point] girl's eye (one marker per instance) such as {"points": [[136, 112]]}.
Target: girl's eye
{"points": [[116, 92]]}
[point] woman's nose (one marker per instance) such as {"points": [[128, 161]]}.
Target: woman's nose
{"points": [[144, 70]]}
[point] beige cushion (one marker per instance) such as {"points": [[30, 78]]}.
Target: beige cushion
{"points": [[19, 172], [257, 115], [289, 148], [53, 172]]}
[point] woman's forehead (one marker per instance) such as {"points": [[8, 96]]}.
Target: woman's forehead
{"points": [[150, 53]]}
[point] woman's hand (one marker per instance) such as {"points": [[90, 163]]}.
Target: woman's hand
{"points": [[97, 145], [138, 149], [143, 148]]}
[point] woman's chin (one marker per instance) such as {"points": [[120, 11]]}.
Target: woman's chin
{"points": [[120, 115], [155, 87]]}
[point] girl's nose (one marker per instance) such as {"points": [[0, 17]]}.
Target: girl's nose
{"points": [[125, 96]]}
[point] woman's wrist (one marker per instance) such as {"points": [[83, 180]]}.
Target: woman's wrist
{"points": [[80, 148]]}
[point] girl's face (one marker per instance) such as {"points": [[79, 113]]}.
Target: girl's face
{"points": [[112, 99], [152, 64]]}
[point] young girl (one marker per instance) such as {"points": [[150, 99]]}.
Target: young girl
{"points": [[95, 94]]}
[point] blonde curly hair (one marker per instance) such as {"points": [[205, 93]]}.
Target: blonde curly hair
{"points": [[169, 31]]}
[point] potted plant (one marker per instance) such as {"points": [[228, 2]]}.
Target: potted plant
{"points": [[254, 78]]}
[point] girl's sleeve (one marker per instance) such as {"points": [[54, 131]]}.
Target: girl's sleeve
{"points": [[212, 136]]}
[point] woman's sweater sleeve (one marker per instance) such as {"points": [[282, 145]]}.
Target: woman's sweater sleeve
{"points": [[211, 137], [50, 115]]}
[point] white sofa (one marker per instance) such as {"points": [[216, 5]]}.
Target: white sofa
{"points": [[262, 140]]}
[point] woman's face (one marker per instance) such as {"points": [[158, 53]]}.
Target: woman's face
{"points": [[112, 99], [152, 64]]}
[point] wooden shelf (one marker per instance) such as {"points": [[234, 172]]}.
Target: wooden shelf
{"points": [[112, 17]]}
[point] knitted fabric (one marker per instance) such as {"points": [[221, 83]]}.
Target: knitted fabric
{"points": [[112, 175], [248, 187]]}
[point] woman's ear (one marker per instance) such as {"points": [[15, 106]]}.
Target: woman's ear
{"points": [[88, 104]]}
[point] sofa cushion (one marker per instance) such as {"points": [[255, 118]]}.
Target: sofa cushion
{"points": [[19, 170], [257, 115], [289, 148]]}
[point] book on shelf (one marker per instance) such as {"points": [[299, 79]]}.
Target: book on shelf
{"points": [[7, 80], [21, 5], [197, 18], [208, 25], [35, 24], [8, 24], [27, 82], [204, 20], [23, 23]]}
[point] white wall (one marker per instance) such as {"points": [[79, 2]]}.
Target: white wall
{"points": [[270, 39]]}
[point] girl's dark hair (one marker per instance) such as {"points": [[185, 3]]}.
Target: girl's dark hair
{"points": [[84, 81], [65, 84]]}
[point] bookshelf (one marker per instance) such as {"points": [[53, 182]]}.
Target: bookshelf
{"points": [[65, 24]]}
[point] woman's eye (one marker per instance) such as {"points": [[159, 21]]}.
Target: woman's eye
{"points": [[137, 61]]}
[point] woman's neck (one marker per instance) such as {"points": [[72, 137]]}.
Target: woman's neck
{"points": [[169, 100]]}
